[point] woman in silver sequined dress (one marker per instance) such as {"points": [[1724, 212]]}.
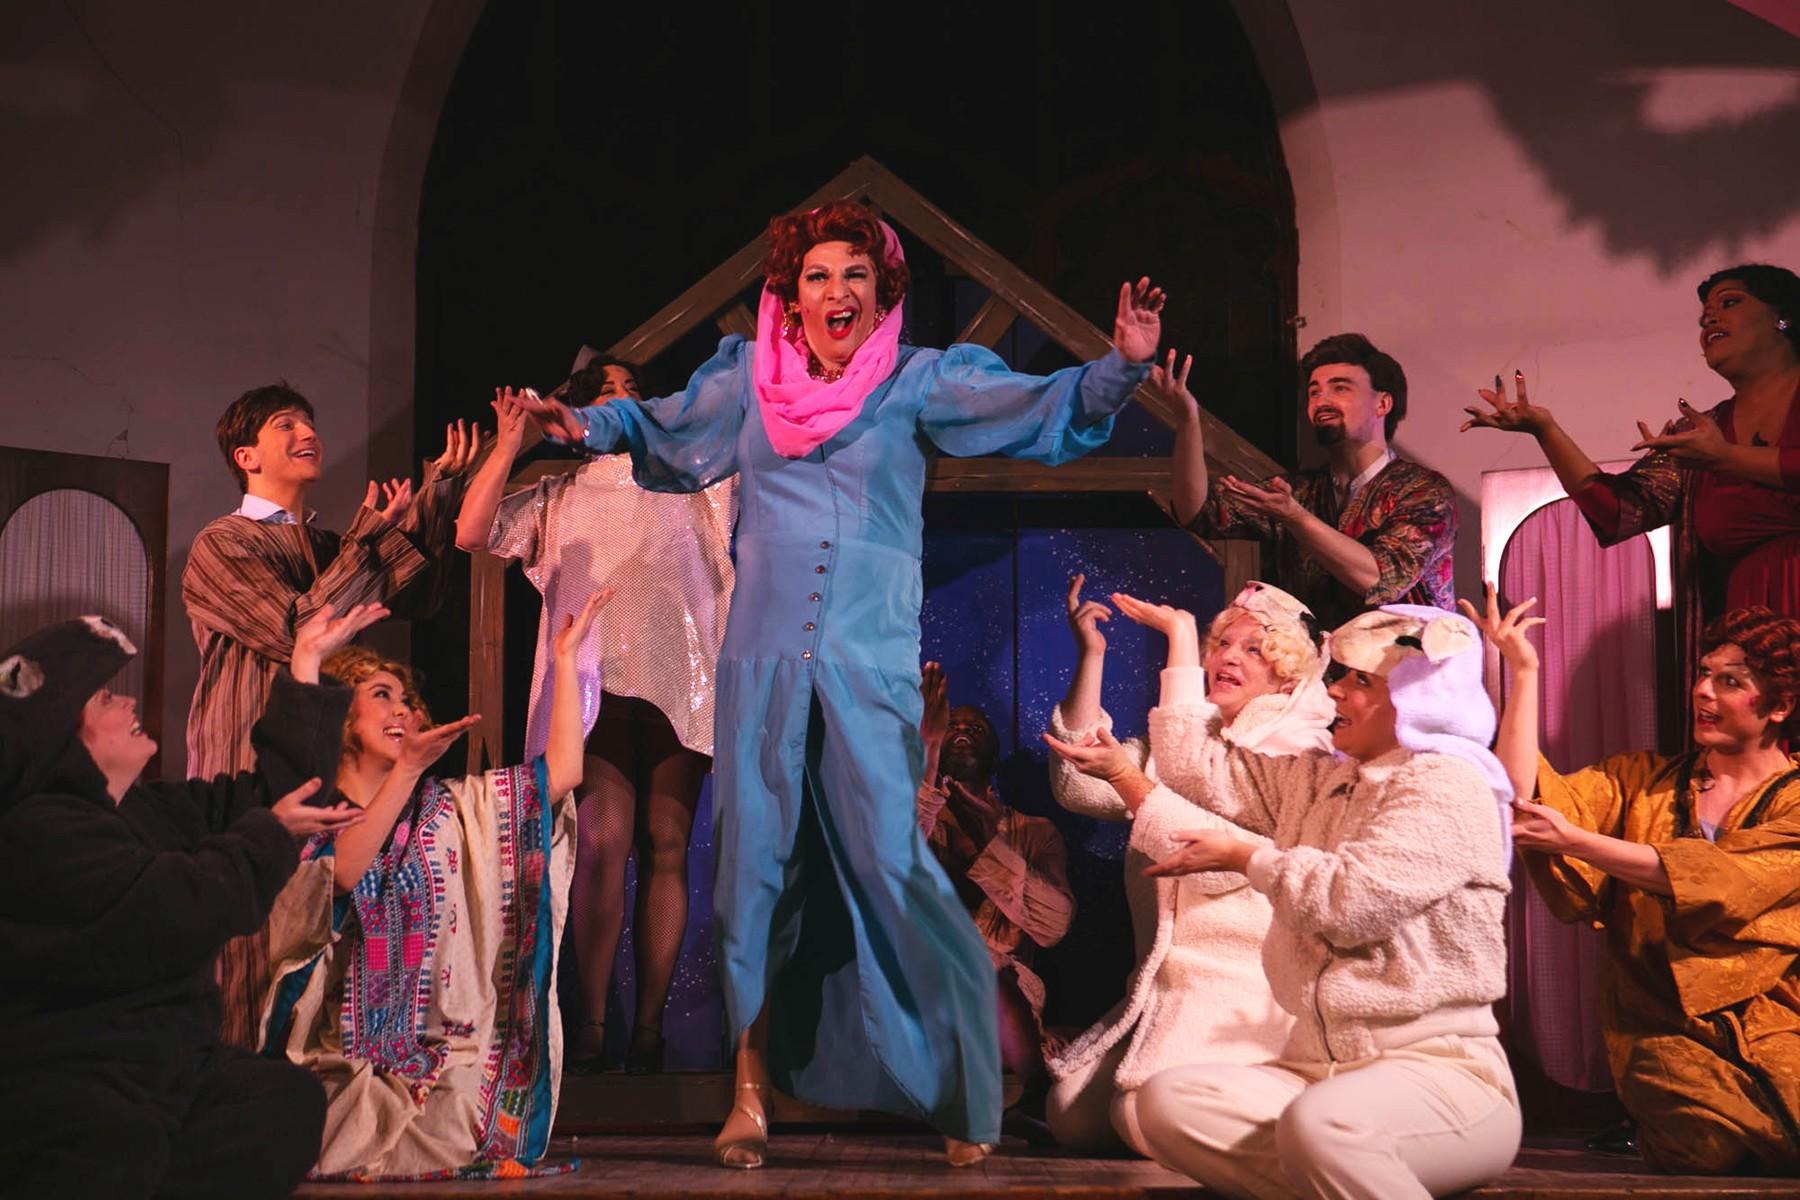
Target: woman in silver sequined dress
{"points": [[650, 718]]}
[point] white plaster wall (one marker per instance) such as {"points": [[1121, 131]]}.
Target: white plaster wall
{"points": [[1536, 185], [190, 213]]}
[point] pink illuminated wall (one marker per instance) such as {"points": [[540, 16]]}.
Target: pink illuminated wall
{"points": [[210, 195]]}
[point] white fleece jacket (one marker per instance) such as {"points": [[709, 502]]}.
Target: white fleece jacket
{"points": [[1198, 993], [1386, 878]]}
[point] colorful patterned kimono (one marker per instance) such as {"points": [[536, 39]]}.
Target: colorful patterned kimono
{"points": [[1699, 992], [1406, 516], [425, 999]]}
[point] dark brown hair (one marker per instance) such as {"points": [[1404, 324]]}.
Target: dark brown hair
{"points": [[1385, 374], [243, 421], [1777, 287]]}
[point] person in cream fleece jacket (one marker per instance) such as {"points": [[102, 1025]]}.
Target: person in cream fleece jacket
{"points": [[1198, 992], [1387, 871]]}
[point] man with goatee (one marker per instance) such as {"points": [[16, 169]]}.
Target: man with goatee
{"points": [[1367, 528]]}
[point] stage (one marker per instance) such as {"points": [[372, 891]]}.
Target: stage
{"points": [[813, 1165]]}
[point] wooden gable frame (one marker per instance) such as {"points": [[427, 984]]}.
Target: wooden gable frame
{"points": [[1012, 296]]}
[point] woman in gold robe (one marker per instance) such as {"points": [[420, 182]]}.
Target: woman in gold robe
{"points": [[1690, 864]]}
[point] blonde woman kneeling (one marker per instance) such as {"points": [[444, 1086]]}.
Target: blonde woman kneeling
{"points": [[1198, 992]]}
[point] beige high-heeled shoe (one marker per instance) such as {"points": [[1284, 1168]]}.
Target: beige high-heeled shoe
{"points": [[965, 1154], [746, 1154]]}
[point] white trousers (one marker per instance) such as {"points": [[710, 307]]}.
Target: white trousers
{"points": [[1088, 1114], [1435, 1117]]}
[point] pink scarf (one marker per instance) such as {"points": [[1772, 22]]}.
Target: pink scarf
{"points": [[798, 411]]}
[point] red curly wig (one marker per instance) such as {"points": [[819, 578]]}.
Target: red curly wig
{"points": [[1771, 646], [791, 236]]}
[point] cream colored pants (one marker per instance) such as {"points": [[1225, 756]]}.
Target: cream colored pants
{"points": [[1428, 1119], [1088, 1114]]}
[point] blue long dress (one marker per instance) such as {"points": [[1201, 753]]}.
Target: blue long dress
{"points": [[831, 909]]}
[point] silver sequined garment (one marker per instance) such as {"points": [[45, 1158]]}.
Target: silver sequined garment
{"points": [[666, 557]]}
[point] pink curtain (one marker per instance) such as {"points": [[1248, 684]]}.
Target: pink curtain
{"points": [[1599, 698]]}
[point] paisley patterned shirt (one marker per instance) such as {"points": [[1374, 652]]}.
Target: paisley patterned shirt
{"points": [[1406, 516]]}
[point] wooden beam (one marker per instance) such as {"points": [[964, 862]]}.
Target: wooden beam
{"points": [[990, 323], [1037, 304], [1012, 475], [487, 657], [737, 319], [719, 287]]}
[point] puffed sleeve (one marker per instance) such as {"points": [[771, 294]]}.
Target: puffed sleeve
{"points": [[974, 404], [683, 442], [518, 523], [1084, 794]]}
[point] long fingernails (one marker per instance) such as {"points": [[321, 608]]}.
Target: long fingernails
{"points": [[1497, 384]]}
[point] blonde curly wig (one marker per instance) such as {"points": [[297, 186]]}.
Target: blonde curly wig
{"points": [[1291, 654], [352, 665]]}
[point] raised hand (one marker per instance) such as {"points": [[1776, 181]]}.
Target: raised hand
{"points": [[391, 499], [1540, 827], [1137, 329], [462, 441], [554, 417], [1276, 500], [934, 725], [1517, 416], [1164, 618], [1084, 619], [575, 628], [323, 635], [302, 820], [1171, 386], [1204, 850], [1507, 631], [509, 419], [1099, 755], [420, 748], [1693, 441]]}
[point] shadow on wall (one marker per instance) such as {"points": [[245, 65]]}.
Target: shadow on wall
{"points": [[1620, 104], [102, 102]]}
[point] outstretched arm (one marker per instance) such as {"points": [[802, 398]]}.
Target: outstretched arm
{"points": [[356, 847], [1189, 460], [1081, 705], [476, 517], [563, 750], [1516, 746]]}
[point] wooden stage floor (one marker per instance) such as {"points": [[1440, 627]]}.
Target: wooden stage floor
{"points": [[813, 1165]]}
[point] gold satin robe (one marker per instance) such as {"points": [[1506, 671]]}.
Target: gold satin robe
{"points": [[1699, 991]]}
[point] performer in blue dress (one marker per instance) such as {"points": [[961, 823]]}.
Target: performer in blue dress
{"points": [[853, 976]]}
